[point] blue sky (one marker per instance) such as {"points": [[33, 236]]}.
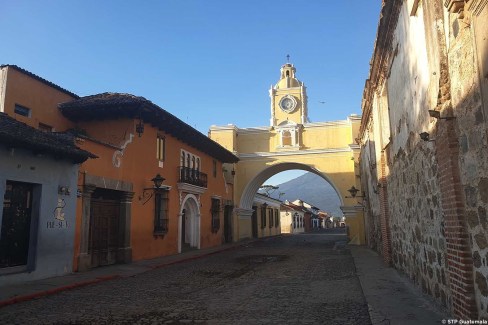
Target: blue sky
{"points": [[205, 61]]}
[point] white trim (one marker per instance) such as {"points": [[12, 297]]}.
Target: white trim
{"points": [[244, 156], [259, 129], [252, 186], [191, 188], [244, 214], [351, 210], [194, 158], [3, 87], [193, 223], [223, 127]]}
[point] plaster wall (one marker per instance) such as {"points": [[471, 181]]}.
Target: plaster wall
{"points": [[132, 159], [40, 98], [51, 240], [286, 222]]}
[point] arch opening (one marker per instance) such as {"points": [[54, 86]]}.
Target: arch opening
{"points": [[253, 186]]}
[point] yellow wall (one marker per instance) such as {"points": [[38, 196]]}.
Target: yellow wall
{"points": [[328, 147]]}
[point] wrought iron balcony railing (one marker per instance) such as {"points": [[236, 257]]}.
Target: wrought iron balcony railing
{"points": [[192, 176]]}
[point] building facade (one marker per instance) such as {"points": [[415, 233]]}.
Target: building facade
{"points": [[158, 186], [266, 217], [293, 218], [423, 143], [38, 182]]}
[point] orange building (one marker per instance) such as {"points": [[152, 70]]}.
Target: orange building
{"points": [[159, 187]]}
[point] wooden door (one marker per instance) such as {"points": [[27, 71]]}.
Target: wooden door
{"points": [[104, 231]]}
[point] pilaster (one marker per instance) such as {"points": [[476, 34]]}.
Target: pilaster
{"points": [[84, 259]]}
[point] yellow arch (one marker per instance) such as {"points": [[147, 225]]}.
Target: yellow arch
{"points": [[253, 186], [325, 148]]}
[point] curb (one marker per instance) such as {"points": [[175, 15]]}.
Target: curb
{"points": [[49, 292]]}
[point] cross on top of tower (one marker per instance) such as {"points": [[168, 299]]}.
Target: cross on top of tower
{"points": [[288, 58]]}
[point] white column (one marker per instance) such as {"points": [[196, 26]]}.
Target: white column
{"points": [[180, 216], [197, 230]]}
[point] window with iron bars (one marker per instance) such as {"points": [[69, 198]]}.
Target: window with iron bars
{"points": [[161, 215], [263, 217], [270, 214], [215, 209]]}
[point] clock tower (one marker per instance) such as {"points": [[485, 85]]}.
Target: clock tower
{"points": [[288, 99]]}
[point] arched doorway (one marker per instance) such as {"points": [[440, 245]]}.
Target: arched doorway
{"points": [[189, 224]]}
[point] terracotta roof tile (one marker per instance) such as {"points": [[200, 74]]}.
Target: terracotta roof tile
{"points": [[106, 106], [15, 134]]}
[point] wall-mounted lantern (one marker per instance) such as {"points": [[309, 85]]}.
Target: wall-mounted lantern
{"points": [[437, 114], [140, 128], [354, 191], [426, 137], [148, 192]]}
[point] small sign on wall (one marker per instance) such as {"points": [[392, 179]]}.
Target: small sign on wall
{"points": [[59, 221]]}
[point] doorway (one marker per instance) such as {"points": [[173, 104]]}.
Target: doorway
{"points": [[16, 224], [104, 227], [190, 224], [254, 222], [227, 223]]}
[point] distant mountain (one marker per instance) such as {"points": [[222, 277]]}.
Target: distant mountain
{"points": [[312, 189]]}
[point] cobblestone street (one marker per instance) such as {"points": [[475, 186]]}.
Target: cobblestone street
{"points": [[306, 279]]}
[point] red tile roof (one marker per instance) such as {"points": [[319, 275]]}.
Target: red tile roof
{"points": [[15, 134], [108, 106]]}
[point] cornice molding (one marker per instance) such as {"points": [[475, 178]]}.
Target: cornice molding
{"points": [[189, 188], [253, 155], [224, 127]]}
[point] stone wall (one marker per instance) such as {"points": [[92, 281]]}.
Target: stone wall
{"points": [[432, 56], [473, 145], [416, 220], [372, 209]]}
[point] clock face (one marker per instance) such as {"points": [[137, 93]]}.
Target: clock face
{"points": [[288, 104]]}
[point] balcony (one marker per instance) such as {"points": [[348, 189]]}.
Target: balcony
{"points": [[192, 176]]}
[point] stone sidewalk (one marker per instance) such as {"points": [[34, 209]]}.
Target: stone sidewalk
{"points": [[391, 298]]}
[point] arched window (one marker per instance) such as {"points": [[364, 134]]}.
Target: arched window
{"points": [[188, 160], [287, 73], [182, 159], [198, 164], [193, 165], [286, 138]]}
